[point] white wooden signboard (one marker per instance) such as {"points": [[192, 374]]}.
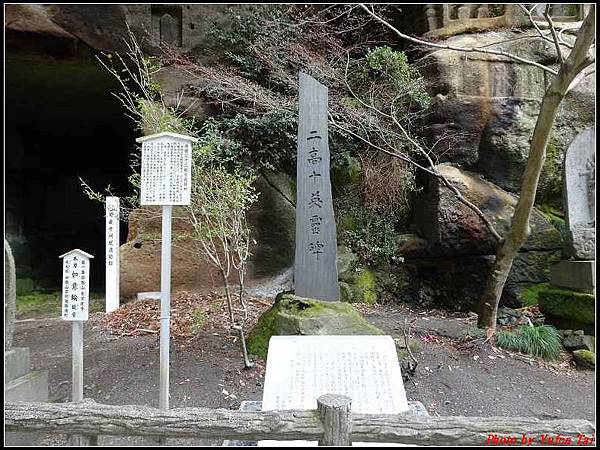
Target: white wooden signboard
{"points": [[302, 368], [166, 169], [76, 285], [166, 180], [112, 254]]}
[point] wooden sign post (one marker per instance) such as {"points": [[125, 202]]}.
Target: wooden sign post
{"points": [[112, 254], [166, 180], [75, 306]]}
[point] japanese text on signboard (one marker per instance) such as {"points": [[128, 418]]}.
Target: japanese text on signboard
{"points": [[166, 172], [75, 295]]}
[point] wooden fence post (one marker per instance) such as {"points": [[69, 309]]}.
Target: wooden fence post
{"points": [[334, 412], [84, 440]]}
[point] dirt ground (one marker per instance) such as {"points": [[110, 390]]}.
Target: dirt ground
{"points": [[452, 378]]}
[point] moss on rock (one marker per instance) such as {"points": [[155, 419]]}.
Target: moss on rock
{"points": [[293, 315], [530, 295], [365, 286], [585, 358], [567, 308]]}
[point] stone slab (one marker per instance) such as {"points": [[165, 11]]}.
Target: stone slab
{"points": [[579, 193], [148, 295], [302, 368], [579, 180], [315, 269], [577, 275], [16, 363], [32, 387]]}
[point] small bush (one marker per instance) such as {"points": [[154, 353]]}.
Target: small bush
{"points": [[543, 341], [199, 318]]}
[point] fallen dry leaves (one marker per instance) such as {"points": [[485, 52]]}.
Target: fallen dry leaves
{"points": [[191, 313]]}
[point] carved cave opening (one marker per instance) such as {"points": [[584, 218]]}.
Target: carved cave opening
{"points": [[61, 123]]}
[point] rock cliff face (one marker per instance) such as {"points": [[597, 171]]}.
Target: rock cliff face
{"points": [[452, 262], [483, 116], [486, 107]]}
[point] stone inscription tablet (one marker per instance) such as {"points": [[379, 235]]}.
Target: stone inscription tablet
{"points": [[580, 195], [301, 368], [315, 271]]}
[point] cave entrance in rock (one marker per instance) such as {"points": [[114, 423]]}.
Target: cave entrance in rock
{"points": [[61, 123]]}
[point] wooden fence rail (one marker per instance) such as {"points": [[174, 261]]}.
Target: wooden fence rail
{"points": [[331, 424]]}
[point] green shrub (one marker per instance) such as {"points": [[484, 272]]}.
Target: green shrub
{"points": [[264, 142], [392, 67], [539, 340], [199, 318], [370, 235]]}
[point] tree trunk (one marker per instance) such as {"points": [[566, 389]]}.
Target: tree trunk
{"points": [[228, 296], [519, 230]]}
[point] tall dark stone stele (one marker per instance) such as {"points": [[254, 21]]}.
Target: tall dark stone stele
{"points": [[315, 271]]}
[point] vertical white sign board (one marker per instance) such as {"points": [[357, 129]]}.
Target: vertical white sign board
{"points": [[166, 180], [112, 253], [166, 169], [76, 285], [302, 368], [75, 306]]}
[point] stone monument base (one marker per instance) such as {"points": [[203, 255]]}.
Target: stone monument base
{"points": [[576, 275], [293, 315], [568, 309], [20, 383], [23, 385]]}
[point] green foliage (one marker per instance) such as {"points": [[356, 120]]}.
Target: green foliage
{"points": [[264, 142], [155, 117], [220, 200], [370, 235], [247, 27], [199, 318], [391, 70], [366, 286], [346, 173], [529, 296], [539, 340]]}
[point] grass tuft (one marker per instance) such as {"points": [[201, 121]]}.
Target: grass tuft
{"points": [[539, 340]]}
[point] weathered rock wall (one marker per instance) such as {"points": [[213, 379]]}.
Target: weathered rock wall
{"points": [[486, 107], [450, 265], [482, 118]]}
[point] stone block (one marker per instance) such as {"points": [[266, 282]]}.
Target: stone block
{"points": [[293, 315], [578, 342], [568, 309], [577, 275], [585, 359], [32, 387], [582, 242], [16, 363]]}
